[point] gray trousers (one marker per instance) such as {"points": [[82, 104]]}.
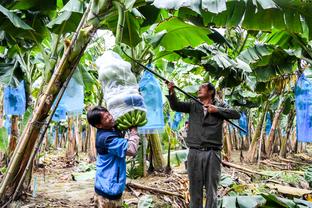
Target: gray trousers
{"points": [[204, 170]]}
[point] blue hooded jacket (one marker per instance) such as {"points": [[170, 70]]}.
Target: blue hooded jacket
{"points": [[110, 179]]}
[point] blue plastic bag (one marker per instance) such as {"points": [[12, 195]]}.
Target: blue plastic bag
{"points": [[303, 98], [268, 124], [152, 95], [243, 123], [72, 101], [7, 124], [73, 97], [15, 100], [176, 120], [60, 113]]}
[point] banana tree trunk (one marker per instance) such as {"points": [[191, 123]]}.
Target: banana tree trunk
{"points": [[286, 139], [157, 157], [251, 155], [66, 65], [87, 138], [14, 134], [248, 137], [227, 144], [56, 138], [1, 106], [71, 151], [91, 145], [78, 133], [275, 122]]}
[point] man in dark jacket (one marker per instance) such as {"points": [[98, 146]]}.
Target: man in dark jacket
{"points": [[204, 140], [112, 148]]}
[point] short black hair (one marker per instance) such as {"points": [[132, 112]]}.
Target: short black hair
{"points": [[94, 115], [211, 87]]}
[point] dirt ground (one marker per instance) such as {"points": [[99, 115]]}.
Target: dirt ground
{"points": [[62, 183]]}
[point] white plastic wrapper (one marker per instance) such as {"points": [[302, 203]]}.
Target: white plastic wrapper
{"points": [[119, 85]]}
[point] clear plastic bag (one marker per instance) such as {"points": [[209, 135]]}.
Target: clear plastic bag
{"points": [[303, 93], [119, 85]]}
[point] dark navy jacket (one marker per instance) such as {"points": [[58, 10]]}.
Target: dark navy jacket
{"points": [[110, 179]]}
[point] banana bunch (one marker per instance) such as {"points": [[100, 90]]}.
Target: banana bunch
{"points": [[132, 118]]}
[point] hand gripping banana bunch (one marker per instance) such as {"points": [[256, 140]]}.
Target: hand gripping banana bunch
{"points": [[120, 90]]}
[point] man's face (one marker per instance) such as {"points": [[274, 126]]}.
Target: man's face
{"points": [[203, 91], [107, 121]]}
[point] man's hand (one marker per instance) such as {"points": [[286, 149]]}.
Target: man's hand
{"points": [[170, 86], [211, 108]]}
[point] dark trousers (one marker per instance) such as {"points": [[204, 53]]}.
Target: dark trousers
{"points": [[204, 170]]}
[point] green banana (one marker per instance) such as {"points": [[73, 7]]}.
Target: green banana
{"points": [[143, 116], [122, 127], [138, 119], [143, 123], [127, 122], [127, 116], [131, 114]]}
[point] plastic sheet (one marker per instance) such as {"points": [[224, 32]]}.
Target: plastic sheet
{"points": [[15, 100], [243, 122], [119, 85], [303, 94], [151, 92], [176, 120]]}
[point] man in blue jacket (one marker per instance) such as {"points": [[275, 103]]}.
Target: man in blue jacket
{"points": [[112, 148]]}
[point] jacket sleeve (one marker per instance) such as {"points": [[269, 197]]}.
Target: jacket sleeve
{"points": [[117, 146], [133, 143], [226, 112], [177, 105]]}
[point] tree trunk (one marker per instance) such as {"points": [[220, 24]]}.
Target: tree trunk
{"points": [[1, 106], [286, 139], [278, 112], [227, 140], [87, 138], [14, 134], [262, 141], [71, 152], [91, 145], [46, 141], [249, 129], [56, 139], [251, 155], [157, 157], [78, 133], [67, 64]]}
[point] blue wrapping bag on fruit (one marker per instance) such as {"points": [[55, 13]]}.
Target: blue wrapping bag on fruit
{"points": [[151, 92], [303, 94]]}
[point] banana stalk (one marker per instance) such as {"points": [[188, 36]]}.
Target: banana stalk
{"points": [[85, 31]]}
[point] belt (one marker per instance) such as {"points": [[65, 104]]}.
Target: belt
{"points": [[206, 148]]}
